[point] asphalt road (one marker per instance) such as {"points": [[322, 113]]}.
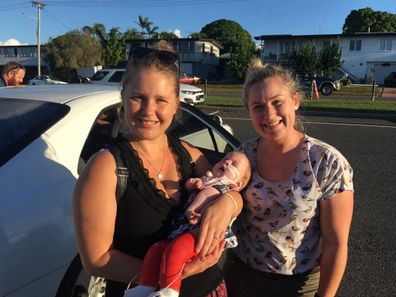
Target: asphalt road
{"points": [[370, 147]]}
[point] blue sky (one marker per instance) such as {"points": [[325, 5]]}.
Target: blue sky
{"points": [[18, 18]]}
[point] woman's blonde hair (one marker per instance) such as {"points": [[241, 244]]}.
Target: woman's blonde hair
{"points": [[257, 72], [152, 61]]}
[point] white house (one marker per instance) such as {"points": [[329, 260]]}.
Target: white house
{"points": [[364, 56], [198, 56]]}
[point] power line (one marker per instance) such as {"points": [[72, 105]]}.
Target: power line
{"points": [[56, 19], [99, 4]]}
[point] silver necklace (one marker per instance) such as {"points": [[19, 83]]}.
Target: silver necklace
{"points": [[158, 172]]}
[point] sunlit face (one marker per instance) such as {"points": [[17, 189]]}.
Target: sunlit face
{"points": [[235, 166], [15, 77], [272, 109], [150, 102]]}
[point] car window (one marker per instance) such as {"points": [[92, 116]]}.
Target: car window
{"points": [[106, 127], [198, 133], [116, 77], [99, 75], [22, 121]]}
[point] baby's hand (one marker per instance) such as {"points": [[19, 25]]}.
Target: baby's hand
{"points": [[193, 184], [193, 217]]}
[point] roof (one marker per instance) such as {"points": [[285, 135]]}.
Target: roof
{"points": [[152, 40], [56, 93], [289, 36]]}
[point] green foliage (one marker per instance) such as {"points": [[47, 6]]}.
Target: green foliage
{"points": [[329, 58], [132, 34], [197, 35], [74, 49], [235, 40], [165, 35], [366, 19], [146, 28], [305, 60]]}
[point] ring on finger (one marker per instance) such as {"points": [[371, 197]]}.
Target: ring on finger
{"points": [[217, 237]]}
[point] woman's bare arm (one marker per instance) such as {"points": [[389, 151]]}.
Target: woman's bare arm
{"points": [[94, 209], [335, 222]]}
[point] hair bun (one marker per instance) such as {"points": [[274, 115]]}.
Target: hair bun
{"points": [[255, 64]]}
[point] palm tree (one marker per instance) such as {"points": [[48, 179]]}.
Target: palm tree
{"points": [[143, 23]]}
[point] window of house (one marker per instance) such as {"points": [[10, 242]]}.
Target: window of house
{"points": [[385, 45], [326, 43], [203, 47], [287, 47], [355, 45]]}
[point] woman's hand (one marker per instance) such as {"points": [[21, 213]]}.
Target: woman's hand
{"points": [[215, 219], [198, 265]]}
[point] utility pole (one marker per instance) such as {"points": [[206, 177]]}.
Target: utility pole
{"points": [[39, 6]]}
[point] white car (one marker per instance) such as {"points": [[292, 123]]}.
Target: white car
{"points": [[47, 134], [188, 93], [45, 80]]}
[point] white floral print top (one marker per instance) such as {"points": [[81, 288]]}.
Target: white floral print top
{"points": [[278, 230]]}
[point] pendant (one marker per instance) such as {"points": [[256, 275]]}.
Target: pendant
{"points": [[159, 175]]}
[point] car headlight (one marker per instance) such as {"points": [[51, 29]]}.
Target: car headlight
{"points": [[187, 92]]}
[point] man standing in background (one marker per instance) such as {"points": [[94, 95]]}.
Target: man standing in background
{"points": [[12, 74]]}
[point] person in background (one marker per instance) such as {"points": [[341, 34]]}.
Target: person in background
{"points": [[294, 227], [12, 74], [114, 233]]}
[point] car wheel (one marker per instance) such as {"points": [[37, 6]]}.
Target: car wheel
{"points": [[326, 89]]}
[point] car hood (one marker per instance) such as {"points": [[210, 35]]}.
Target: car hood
{"points": [[189, 88]]}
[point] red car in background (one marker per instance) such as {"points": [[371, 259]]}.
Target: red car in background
{"points": [[186, 78]]}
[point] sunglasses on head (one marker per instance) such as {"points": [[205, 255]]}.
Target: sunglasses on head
{"points": [[164, 56]]}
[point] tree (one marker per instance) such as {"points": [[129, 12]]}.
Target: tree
{"points": [[305, 60], [368, 20], [143, 23], [235, 40], [132, 34], [330, 58], [74, 49], [165, 35], [113, 43], [146, 28]]}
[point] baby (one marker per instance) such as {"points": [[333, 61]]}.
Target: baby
{"points": [[165, 260]]}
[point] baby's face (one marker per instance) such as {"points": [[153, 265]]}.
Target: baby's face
{"points": [[234, 166]]}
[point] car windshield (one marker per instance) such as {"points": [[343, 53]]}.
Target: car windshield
{"points": [[22, 121], [99, 75]]}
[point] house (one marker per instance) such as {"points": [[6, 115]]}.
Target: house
{"points": [[365, 55], [198, 56], [25, 55]]}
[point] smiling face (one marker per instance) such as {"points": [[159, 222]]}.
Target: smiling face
{"points": [[272, 109], [150, 102]]}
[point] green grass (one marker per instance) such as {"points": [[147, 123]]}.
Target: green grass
{"points": [[349, 99]]}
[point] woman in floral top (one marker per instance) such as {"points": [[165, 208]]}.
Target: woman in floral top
{"points": [[293, 231]]}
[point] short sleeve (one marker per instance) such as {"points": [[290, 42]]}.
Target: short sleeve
{"points": [[334, 174]]}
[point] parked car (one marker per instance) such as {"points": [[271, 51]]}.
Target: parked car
{"points": [[390, 80], [48, 133], [189, 94], [326, 85], [46, 80], [189, 79]]}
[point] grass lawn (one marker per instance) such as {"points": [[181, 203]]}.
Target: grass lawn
{"points": [[350, 98]]}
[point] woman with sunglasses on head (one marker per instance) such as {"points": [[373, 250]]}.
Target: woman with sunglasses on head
{"points": [[114, 234], [293, 230]]}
